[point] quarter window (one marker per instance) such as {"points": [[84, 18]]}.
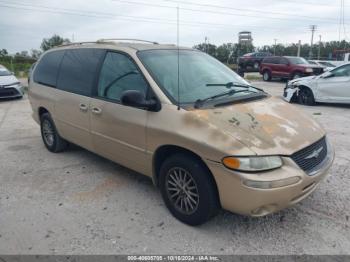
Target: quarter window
{"points": [[78, 70], [118, 74], [47, 69]]}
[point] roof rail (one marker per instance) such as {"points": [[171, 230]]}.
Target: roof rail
{"points": [[128, 39], [78, 43]]}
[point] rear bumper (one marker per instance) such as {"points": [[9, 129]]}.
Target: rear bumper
{"points": [[238, 198]]}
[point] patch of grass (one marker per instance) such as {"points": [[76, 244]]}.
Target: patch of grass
{"points": [[252, 77], [19, 68]]}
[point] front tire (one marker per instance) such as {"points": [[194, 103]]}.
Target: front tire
{"points": [[52, 140], [306, 96], [266, 75], [188, 189]]}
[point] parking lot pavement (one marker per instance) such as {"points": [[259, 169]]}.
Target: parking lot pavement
{"points": [[76, 202]]}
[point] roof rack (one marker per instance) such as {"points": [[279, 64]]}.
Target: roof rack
{"points": [[128, 39], [77, 43], [101, 41]]}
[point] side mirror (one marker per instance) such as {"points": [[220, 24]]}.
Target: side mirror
{"points": [[327, 74], [137, 99]]}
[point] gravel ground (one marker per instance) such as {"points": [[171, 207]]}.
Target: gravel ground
{"points": [[79, 203]]}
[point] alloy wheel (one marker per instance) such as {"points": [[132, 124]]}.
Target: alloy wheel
{"points": [[182, 190], [48, 132]]}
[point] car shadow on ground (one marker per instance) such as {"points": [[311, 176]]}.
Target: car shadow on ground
{"points": [[221, 220], [333, 105]]}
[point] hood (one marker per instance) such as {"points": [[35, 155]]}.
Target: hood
{"points": [[303, 79], [8, 80], [267, 127], [309, 66]]}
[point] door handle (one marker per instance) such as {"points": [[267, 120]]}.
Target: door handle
{"points": [[83, 107], [96, 110]]}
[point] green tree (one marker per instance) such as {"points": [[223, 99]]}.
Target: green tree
{"points": [[34, 53], [207, 48], [53, 41], [224, 52], [3, 53]]}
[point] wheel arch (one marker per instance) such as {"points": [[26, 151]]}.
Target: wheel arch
{"points": [[303, 87], [165, 151], [42, 110]]}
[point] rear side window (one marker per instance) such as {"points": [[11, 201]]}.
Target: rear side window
{"points": [[47, 69], [78, 70]]}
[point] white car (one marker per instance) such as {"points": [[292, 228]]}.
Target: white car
{"points": [[325, 64], [10, 87], [330, 87]]}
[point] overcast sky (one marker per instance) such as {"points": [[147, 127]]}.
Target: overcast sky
{"points": [[24, 23]]}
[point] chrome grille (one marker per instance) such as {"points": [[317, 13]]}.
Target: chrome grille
{"points": [[310, 157]]}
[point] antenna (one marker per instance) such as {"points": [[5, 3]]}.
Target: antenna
{"points": [[178, 57]]}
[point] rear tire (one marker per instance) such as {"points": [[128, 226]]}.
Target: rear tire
{"points": [[266, 75], [306, 96], [188, 189], [52, 140]]}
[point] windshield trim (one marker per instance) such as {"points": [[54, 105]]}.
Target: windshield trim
{"points": [[163, 89]]}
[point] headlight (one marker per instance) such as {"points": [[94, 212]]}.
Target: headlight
{"points": [[309, 70], [17, 84], [253, 163]]}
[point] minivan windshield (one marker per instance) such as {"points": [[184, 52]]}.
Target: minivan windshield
{"points": [[201, 76]]}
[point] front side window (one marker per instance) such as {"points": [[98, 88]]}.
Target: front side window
{"points": [[297, 60], [119, 74], [78, 70], [341, 71], [283, 61], [199, 73]]}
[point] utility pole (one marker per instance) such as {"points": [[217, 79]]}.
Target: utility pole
{"points": [[274, 48], [299, 47], [206, 41], [313, 29], [319, 48]]}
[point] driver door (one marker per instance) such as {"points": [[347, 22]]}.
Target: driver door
{"points": [[336, 87], [118, 131]]}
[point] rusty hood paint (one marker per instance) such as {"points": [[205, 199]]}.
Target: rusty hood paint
{"points": [[267, 127]]}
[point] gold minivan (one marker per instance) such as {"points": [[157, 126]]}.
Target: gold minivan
{"points": [[206, 137]]}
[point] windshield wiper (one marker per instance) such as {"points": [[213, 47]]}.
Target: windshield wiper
{"points": [[233, 84], [199, 103]]}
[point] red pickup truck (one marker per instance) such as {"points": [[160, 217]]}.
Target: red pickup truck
{"points": [[289, 67]]}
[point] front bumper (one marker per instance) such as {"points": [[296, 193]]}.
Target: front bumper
{"points": [[238, 198], [290, 92], [11, 91]]}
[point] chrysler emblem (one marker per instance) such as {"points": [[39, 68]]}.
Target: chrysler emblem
{"points": [[315, 154]]}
